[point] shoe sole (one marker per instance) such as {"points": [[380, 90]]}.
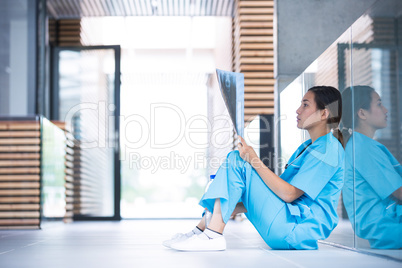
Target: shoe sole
{"points": [[209, 248], [169, 244], [198, 250]]}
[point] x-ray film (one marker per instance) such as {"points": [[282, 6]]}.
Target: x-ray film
{"points": [[232, 88]]}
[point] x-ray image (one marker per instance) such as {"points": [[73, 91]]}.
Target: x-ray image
{"points": [[231, 85]]}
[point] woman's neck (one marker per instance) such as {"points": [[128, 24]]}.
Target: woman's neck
{"points": [[317, 132], [366, 130]]}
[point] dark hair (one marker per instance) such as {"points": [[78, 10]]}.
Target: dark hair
{"points": [[354, 99], [330, 98]]}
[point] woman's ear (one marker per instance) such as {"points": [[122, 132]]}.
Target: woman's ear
{"points": [[324, 114], [361, 114]]}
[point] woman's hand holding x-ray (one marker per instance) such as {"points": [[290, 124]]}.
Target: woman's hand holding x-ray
{"points": [[247, 153]]}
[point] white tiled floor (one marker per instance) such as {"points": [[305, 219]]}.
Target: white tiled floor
{"points": [[137, 243]]}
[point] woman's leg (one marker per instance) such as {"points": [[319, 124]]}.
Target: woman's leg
{"points": [[221, 198], [227, 187], [238, 181], [235, 181], [217, 224], [267, 212], [217, 221]]}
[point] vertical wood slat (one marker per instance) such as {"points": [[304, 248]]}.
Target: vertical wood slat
{"points": [[19, 175], [253, 54]]}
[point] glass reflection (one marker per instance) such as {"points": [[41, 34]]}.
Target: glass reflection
{"points": [[372, 192]]}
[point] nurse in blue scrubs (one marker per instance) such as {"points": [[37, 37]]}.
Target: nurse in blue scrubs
{"points": [[373, 184], [291, 211]]}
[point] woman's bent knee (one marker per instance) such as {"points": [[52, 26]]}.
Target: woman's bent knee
{"points": [[234, 159], [233, 155]]}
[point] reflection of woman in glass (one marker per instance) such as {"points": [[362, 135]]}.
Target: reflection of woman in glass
{"points": [[372, 193], [292, 211]]}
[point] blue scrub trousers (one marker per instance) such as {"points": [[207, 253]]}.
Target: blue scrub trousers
{"points": [[236, 181]]}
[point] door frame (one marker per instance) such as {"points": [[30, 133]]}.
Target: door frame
{"points": [[54, 115]]}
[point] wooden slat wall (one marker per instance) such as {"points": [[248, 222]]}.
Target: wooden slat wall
{"points": [[69, 178], [87, 186], [19, 174], [253, 54], [65, 32]]}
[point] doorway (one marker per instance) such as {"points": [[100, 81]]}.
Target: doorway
{"points": [[86, 96]]}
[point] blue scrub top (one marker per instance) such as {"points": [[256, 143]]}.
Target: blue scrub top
{"points": [[372, 174], [318, 171]]}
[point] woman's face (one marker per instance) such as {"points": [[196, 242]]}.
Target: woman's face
{"points": [[376, 117], [308, 115]]}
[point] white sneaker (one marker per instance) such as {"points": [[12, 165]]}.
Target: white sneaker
{"points": [[177, 238], [201, 242]]}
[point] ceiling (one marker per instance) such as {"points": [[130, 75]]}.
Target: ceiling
{"points": [[73, 9]]}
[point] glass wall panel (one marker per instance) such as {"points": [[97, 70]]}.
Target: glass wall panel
{"points": [[53, 154], [364, 64], [373, 181]]}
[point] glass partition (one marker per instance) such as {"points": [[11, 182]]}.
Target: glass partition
{"points": [[372, 191], [364, 64], [53, 153]]}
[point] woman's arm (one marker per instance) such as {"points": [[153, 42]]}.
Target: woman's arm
{"points": [[281, 188]]}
